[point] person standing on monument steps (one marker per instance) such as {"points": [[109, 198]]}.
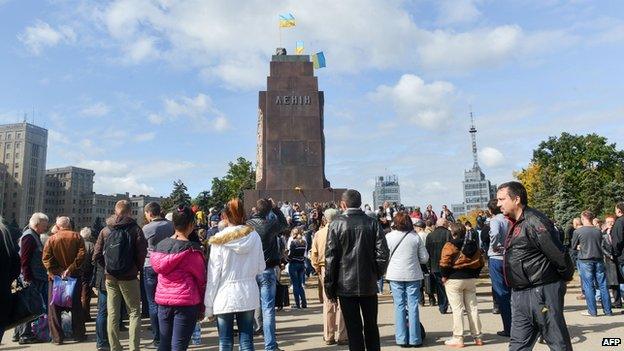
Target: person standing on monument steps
{"points": [[537, 269], [356, 256], [269, 230]]}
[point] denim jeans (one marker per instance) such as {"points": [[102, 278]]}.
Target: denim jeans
{"points": [[267, 282], [101, 319], [440, 292], [176, 325], [592, 272], [150, 280], [225, 326], [24, 330], [406, 316], [297, 277], [502, 293]]}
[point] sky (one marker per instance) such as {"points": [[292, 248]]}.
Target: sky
{"points": [[146, 92]]}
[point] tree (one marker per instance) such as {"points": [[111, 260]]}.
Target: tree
{"points": [[203, 200], [179, 196], [571, 173], [240, 176]]}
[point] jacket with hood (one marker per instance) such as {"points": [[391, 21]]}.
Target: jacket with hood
{"points": [[235, 259], [461, 259], [181, 269], [269, 230], [139, 245]]}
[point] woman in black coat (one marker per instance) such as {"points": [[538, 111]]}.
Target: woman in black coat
{"points": [[9, 271]]}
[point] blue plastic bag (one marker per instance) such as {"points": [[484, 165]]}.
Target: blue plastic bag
{"points": [[62, 291]]}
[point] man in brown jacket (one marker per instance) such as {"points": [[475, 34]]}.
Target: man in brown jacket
{"points": [[331, 310], [123, 285], [63, 256]]}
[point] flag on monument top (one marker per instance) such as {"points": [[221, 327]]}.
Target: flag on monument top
{"points": [[299, 48], [318, 60], [286, 20]]}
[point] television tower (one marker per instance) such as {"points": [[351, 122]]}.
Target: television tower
{"points": [[473, 136]]}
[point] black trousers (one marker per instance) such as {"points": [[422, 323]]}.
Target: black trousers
{"points": [[440, 292], [539, 311], [354, 310]]}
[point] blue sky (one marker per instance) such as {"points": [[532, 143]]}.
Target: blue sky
{"points": [[145, 92]]}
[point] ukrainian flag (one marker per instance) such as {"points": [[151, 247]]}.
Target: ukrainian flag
{"points": [[299, 48], [287, 20], [318, 60]]}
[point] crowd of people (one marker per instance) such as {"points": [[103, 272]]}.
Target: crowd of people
{"points": [[180, 269]]}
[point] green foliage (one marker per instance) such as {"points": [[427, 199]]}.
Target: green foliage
{"points": [[239, 177], [571, 173], [203, 200], [179, 196]]}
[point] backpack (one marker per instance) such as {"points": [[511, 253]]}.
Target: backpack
{"points": [[118, 251]]}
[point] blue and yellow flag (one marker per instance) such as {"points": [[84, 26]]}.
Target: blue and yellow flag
{"points": [[286, 20], [299, 48], [318, 60]]}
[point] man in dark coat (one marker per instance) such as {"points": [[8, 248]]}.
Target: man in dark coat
{"points": [[434, 244], [9, 271], [356, 256]]}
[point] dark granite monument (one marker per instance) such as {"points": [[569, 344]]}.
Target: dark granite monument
{"points": [[291, 143]]}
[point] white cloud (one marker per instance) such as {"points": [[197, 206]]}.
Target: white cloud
{"points": [[145, 136], [41, 35], [457, 11], [199, 110], [470, 50], [156, 119], [106, 167], [427, 105], [231, 42], [97, 109], [491, 157]]}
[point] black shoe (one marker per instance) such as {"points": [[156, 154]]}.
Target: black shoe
{"points": [[416, 346], [404, 346], [619, 305], [28, 340], [502, 333], [495, 310]]}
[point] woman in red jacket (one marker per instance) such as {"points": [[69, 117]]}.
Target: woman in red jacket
{"points": [[181, 268]]}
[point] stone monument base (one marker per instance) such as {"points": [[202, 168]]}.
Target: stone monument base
{"points": [[291, 195]]}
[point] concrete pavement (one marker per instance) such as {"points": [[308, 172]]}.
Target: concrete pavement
{"points": [[302, 329]]}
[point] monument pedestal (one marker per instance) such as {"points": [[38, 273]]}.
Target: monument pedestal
{"points": [[291, 142]]}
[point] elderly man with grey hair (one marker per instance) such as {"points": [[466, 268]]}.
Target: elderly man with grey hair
{"points": [[331, 310], [32, 269], [63, 256]]}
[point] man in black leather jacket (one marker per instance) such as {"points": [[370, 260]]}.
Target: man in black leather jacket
{"points": [[536, 267], [356, 257]]}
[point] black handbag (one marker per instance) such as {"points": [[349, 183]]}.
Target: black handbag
{"points": [[27, 305]]}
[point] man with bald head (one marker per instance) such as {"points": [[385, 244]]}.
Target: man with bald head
{"points": [[434, 243], [63, 255]]}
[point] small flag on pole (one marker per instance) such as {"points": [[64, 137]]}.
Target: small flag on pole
{"points": [[318, 60], [299, 48], [286, 20]]}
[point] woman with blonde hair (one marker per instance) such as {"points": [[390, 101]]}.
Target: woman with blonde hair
{"points": [[296, 267], [236, 257]]}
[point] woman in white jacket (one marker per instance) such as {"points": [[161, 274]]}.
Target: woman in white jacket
{"points": [[236, 258], [407, 253]]}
